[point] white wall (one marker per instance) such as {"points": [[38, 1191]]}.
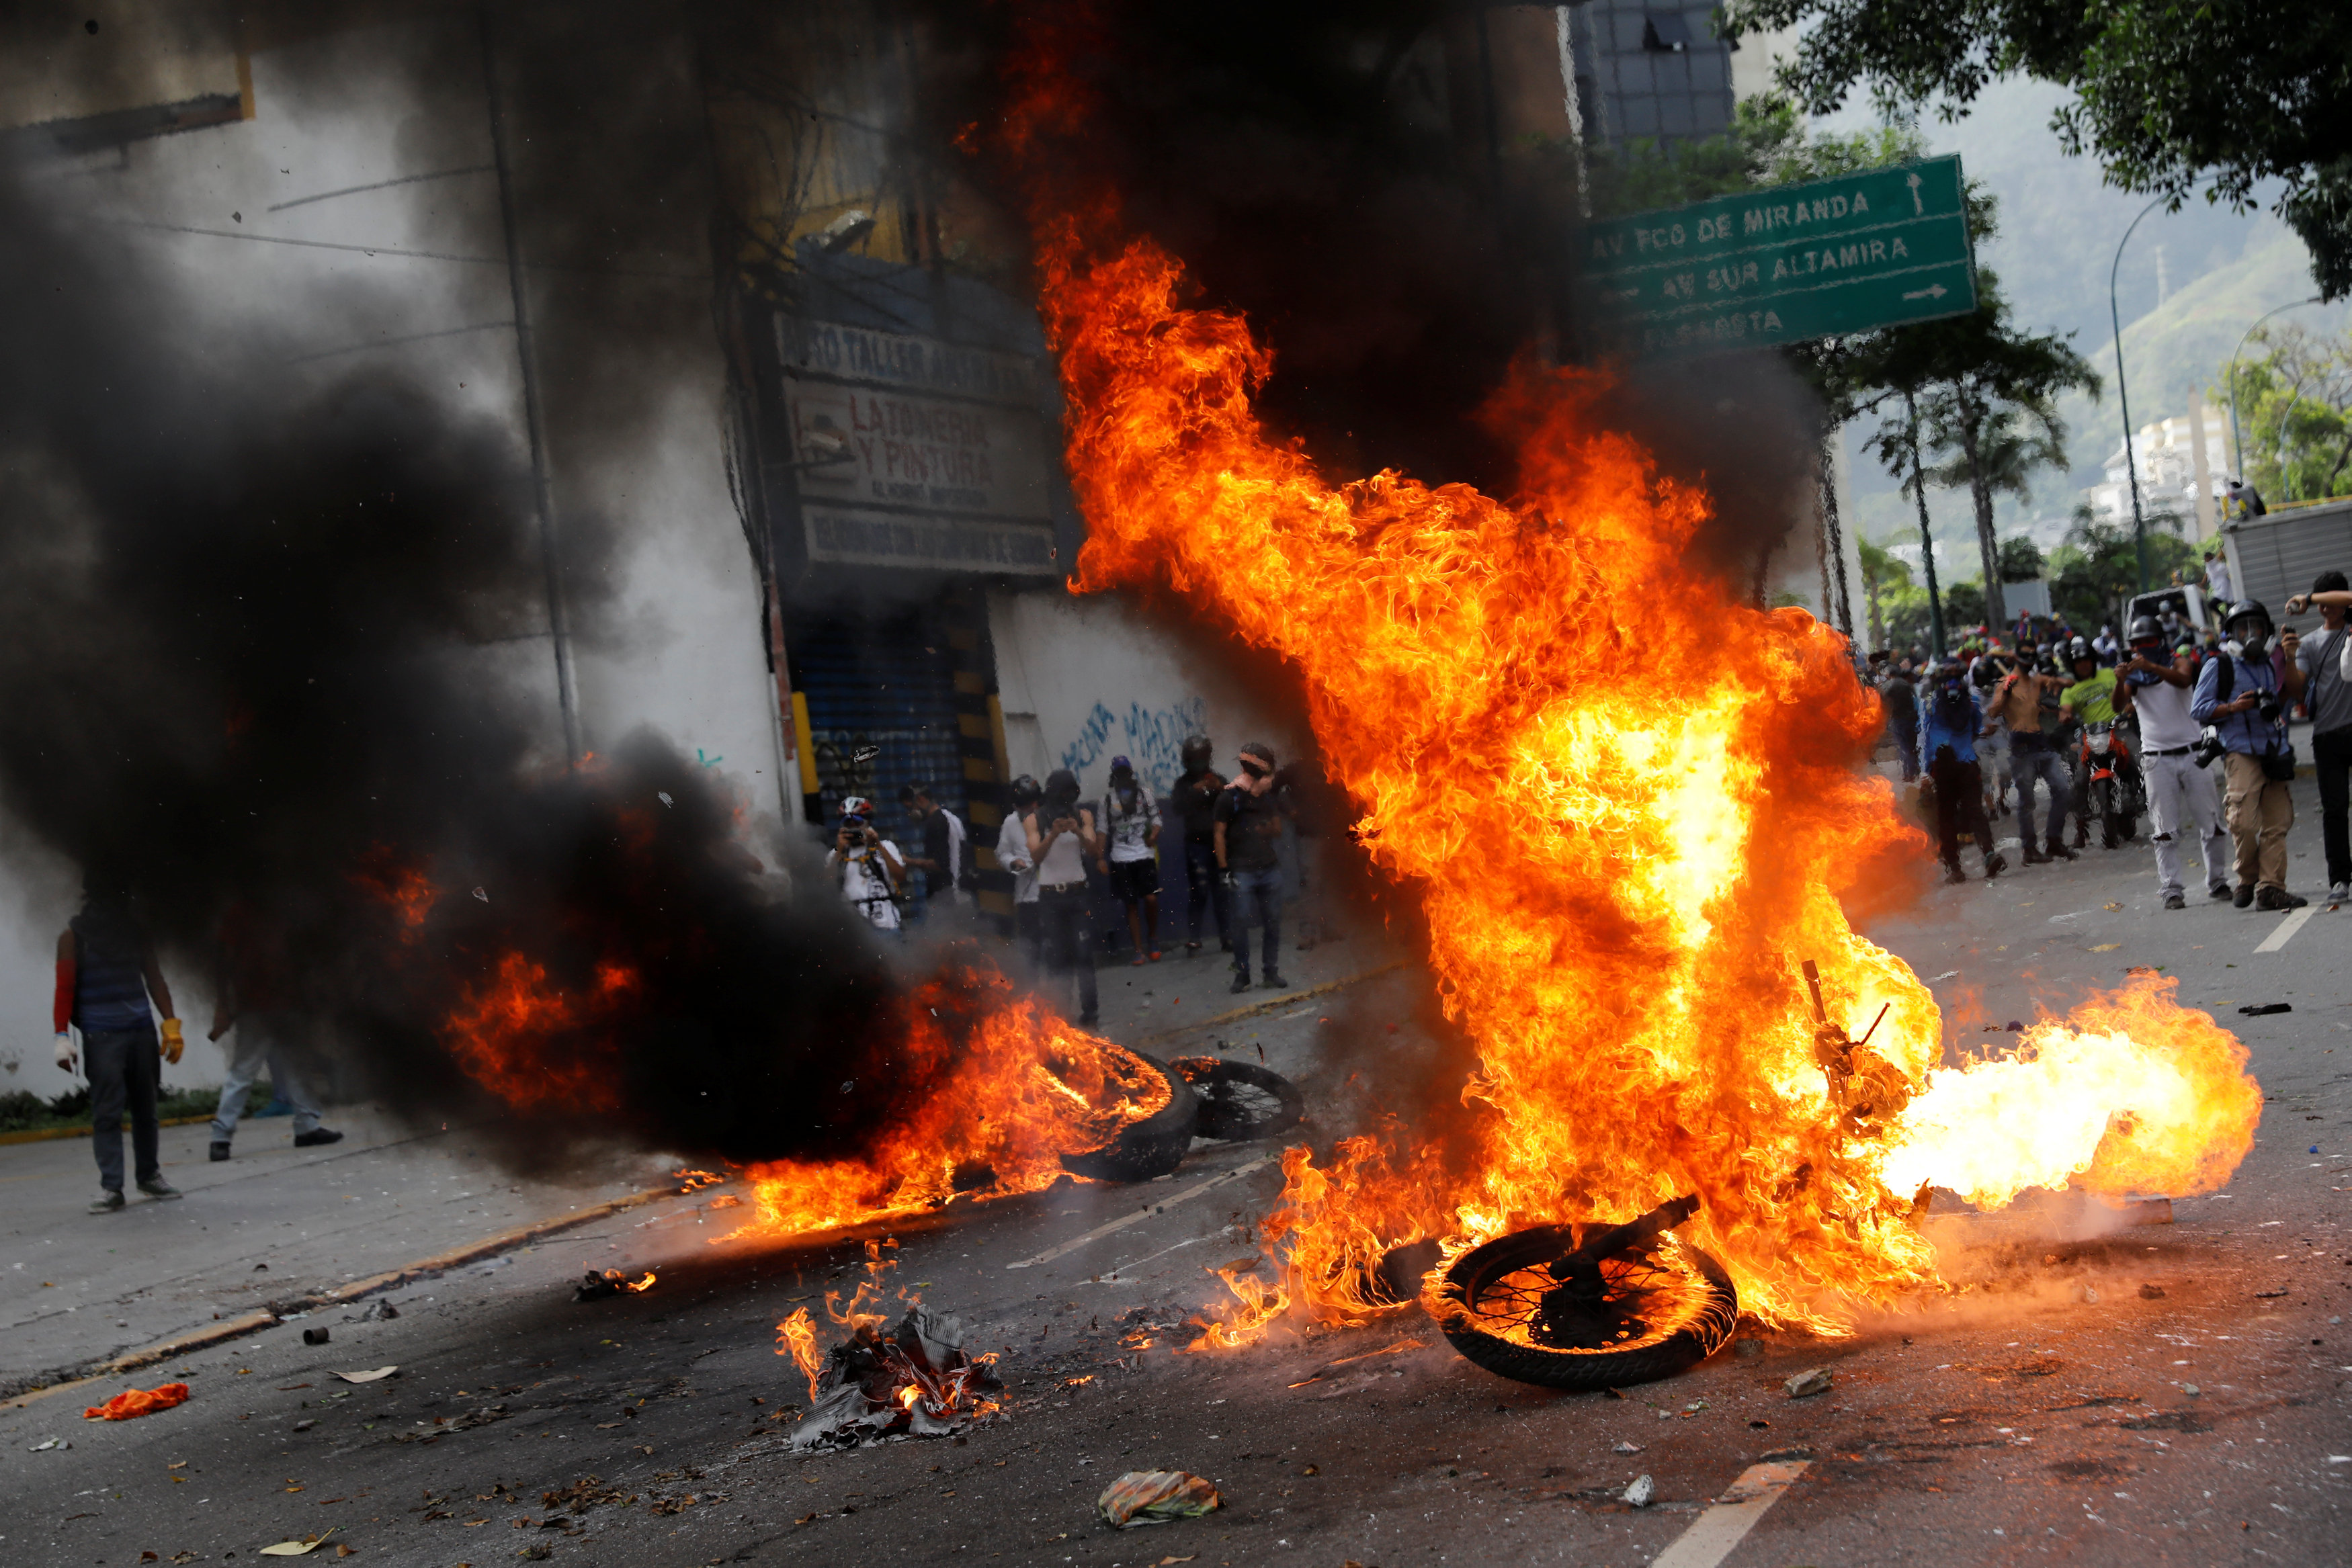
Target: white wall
{"points": [[683, 652], [1083, 679]]}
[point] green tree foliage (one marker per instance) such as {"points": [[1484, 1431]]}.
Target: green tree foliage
{"points": [[1964, 604], [2296, 407], [1883, 575], [2169, 94], [2021, 560], [2096, 570]]}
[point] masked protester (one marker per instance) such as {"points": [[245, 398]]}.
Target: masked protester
{"points": [[1196, 807], [1250, 813], [1061, 840], [2156, 685], [1950, 721], [2322, 659], [2243, 699], [106, 977], [2017, 701], [865, 866], [1131, 826], [2090, 698]]}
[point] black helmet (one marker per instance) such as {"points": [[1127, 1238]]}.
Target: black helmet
{"points": [[2144, 629], [2079, 650], [1025, 791], [1197, 752], [2248, 609]]}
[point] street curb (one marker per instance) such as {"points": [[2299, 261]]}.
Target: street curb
{"points": [[343, 1295], [1271, 1003], [43, 1135]]}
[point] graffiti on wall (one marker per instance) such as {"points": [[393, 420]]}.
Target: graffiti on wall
{"points": [[1153, 738]]}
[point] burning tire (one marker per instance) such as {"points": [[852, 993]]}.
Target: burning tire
{"points": [[1151, 1147], [1241, 1101], [1629, 1304]]}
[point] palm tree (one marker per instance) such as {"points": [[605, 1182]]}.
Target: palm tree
{"points": [[1879, 570], [1995, 449]]}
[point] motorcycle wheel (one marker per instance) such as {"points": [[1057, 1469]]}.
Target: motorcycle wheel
{"points": [[1665, 1308], [2103, 807], [1241, 1101], [1151, 1147]]}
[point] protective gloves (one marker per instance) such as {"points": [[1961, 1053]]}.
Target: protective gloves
{"points": [[66, 1050], [173, 1042]]}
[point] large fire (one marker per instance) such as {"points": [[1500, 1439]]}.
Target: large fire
{"points": [[1631, 806]]}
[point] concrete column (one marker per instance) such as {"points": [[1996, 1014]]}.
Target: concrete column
{"points": [[2197, 467]]}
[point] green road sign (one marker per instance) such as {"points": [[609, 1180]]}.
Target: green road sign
{"points": [[1784, 264]]}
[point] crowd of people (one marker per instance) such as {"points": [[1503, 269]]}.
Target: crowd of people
{"points": [[2185, 725], [1234, 832]]}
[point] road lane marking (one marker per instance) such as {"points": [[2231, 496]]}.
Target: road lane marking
{"points": [[1730, 1517], [1165, 1204], [2287, 928]]}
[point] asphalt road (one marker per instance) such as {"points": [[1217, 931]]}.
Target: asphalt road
{"points": [[2168, 1394]]}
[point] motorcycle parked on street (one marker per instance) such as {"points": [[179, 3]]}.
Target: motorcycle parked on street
{"points": [[2116, 790]]}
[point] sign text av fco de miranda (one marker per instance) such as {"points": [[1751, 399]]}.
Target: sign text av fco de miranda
{"points": [[1861, 251]]}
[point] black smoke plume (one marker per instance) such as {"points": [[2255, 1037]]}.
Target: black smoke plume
{"points": [[277, 657]]}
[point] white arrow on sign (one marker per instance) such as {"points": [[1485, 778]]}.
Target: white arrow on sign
{"points": [[1917, 206], [1935, 291]]}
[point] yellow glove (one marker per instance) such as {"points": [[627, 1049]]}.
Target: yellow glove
{"points": [[173, 1044]]}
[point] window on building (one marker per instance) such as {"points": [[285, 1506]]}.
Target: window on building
{"points": [[1665, 32]]}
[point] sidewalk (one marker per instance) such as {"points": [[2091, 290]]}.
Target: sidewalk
{"points": [[274, 1223]]}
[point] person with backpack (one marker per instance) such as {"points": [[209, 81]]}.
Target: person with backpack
{"points": [[2326, 662], [110, 986], [1950, 721], [2158, 687], [2242, 696]]}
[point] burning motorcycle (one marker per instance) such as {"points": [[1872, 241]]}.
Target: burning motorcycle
{"points": [[2116, 790]]}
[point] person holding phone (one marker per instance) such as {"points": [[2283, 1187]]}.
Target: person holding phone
{"points": [[1061, 840]]}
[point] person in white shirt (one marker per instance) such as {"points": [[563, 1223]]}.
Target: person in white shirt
{"points": [[1060, 838], [1131, 823], [1013, 855], [2178, 792], [866, 867]]}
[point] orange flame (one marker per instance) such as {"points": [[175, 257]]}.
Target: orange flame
{"points": [[535, 1047], [1631, 806], [1029, 1089], [796, 1337]]}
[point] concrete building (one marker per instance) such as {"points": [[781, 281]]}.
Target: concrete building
{"points": [[2165, 453]]}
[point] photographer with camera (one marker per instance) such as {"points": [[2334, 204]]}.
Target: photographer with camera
{"points": [[1061, 840], [2323, 661], [865, 866], [2157, 687], [2239, 695]]}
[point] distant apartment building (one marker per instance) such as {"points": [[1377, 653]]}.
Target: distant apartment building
{"points": [[2165, 455]]}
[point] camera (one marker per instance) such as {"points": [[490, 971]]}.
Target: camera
{"points": [[2208, 747], [2269, 709]]}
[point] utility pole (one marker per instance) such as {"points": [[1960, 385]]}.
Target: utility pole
{"points": [[1926, 539], [567, 695], [2123, 396]]}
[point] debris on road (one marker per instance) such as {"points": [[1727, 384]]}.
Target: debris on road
{"points": [[1625, 1448], [377, 1312], [1155, 1497], [913, 1380], [1807, 1384], [301, 1548], [1641, 1491], [314, 1336], [2263, 1010], [45, 1444], [135, 1402], [378, 1375], [597, 1287]]}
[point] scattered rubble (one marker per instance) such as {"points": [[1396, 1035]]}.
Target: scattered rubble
{"points": [[1807, 1384], [1641, 1491], [913, 1380], [598, 1287], [1155, 1497], [133, 1403]]}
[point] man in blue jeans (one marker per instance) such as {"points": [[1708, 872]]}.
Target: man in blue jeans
{"points": [[110, 986], [1250, 811]]}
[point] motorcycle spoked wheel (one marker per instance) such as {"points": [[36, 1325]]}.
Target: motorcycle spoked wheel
{"points": [[1664, 1307], [2103, 807], [1241, 1101]]}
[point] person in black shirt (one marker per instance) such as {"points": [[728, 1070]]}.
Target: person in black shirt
{"points": [[1196, 807], [945, 848], [1250, 811]]}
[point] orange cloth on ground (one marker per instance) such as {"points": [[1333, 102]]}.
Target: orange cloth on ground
{"points": [[138, 1402]]}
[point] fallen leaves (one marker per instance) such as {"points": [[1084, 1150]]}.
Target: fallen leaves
{"points": [[301, 1548]]}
